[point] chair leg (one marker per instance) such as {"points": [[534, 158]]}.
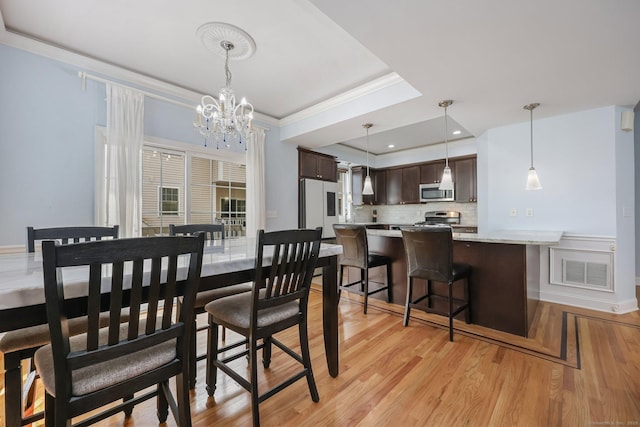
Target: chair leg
{"points": [[450, 311], [224, 333], [340, 275], [49, 410], [306, 360], [363, 283], [266, 352], [128, 410], [253, 367], [407, 305], [366, 288], [60, 415], [467, 311], [13, 390], [162, 406], [429, 288], [389, 284], [212, 356], [192, 356], [182, 396]]}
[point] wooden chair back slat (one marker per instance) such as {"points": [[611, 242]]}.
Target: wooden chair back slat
{"points": [[154, 295], [93, 303], [137, 275], [295, 252]]}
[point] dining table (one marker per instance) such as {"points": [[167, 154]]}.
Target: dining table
{"points": [[225, 262]]}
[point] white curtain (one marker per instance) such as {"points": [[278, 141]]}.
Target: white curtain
{"points": [[121, 196], [256, 217]]}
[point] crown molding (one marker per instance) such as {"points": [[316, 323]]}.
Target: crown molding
{"points": [[346, 97], [57, 53]]}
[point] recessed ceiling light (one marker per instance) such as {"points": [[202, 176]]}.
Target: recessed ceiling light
{"points": [[390, 146], [457, 132]]}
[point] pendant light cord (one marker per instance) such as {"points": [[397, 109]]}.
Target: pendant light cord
{"points": [[367, 151], [446, 138], [531, 121]]}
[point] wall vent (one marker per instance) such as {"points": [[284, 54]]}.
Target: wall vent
{"points": [[590, 269], [584, 273]]}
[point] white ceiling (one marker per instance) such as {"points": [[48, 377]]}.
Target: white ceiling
{"points": [[316, 60]]}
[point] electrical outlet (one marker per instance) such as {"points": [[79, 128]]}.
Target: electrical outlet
{"points": [[529, 211], [514, 212]]}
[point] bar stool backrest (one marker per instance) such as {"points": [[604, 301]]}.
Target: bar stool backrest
{"points": [[429, 252], [355, 249]]}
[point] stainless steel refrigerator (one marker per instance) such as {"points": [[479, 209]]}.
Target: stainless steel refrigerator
{"points": [[319, 205]]}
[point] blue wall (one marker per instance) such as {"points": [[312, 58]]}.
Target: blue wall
{"points": [[47, 126], [46, 146]]}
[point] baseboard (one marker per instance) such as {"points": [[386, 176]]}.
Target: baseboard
{"points": [[617, 307], [12, 249]]}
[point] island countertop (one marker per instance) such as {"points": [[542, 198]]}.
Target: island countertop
{"points": [[518, 237]]}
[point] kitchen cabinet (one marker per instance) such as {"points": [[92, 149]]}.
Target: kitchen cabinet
{"points": [[317, 165], [410, 185], [431, 173], [464, 178], [402, 185], [378, 182]]}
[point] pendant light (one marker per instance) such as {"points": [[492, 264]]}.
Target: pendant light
{"points": [[446, 183], [367, 190], [533, 183]]}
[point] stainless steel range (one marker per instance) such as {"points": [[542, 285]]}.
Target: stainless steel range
{"points": [[440, 218]]}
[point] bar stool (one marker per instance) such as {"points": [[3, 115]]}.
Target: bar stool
{"points": [[429, 253], [355, 253]]}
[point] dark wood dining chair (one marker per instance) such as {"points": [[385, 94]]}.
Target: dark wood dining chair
{"points": [[20, 345], [355, 253], [212, 231], [69, 234], [429, 253], [85, 372], [278, 301]]}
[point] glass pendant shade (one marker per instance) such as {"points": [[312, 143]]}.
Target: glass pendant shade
{"points": [[446, 183], [533, 183], [367, 190]]}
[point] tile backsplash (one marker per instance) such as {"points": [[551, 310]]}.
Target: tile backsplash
{"points": [[409, 214]]}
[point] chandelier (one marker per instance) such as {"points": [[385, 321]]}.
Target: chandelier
{"points": [[223, 120]]}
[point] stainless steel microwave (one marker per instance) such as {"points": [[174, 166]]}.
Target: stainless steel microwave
{"points": [[432, 193]]}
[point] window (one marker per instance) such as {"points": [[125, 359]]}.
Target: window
{"points": [[169, 198], [183, 184], [218, 194], [163, 186]]}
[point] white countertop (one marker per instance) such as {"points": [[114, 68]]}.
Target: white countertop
{"points": [[518, 237]]}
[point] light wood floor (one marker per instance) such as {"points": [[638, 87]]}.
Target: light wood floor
{"points": [[579, 368]]}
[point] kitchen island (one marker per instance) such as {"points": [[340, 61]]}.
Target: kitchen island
{"points": [[504, 287]]}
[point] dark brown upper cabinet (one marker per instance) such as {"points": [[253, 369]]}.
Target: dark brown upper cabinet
{"points": [[402, 185], [464, 178], [317, 165], [431, 173]]}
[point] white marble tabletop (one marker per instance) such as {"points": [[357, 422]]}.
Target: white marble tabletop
{"points": [[21, 281], [519, 237]]}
